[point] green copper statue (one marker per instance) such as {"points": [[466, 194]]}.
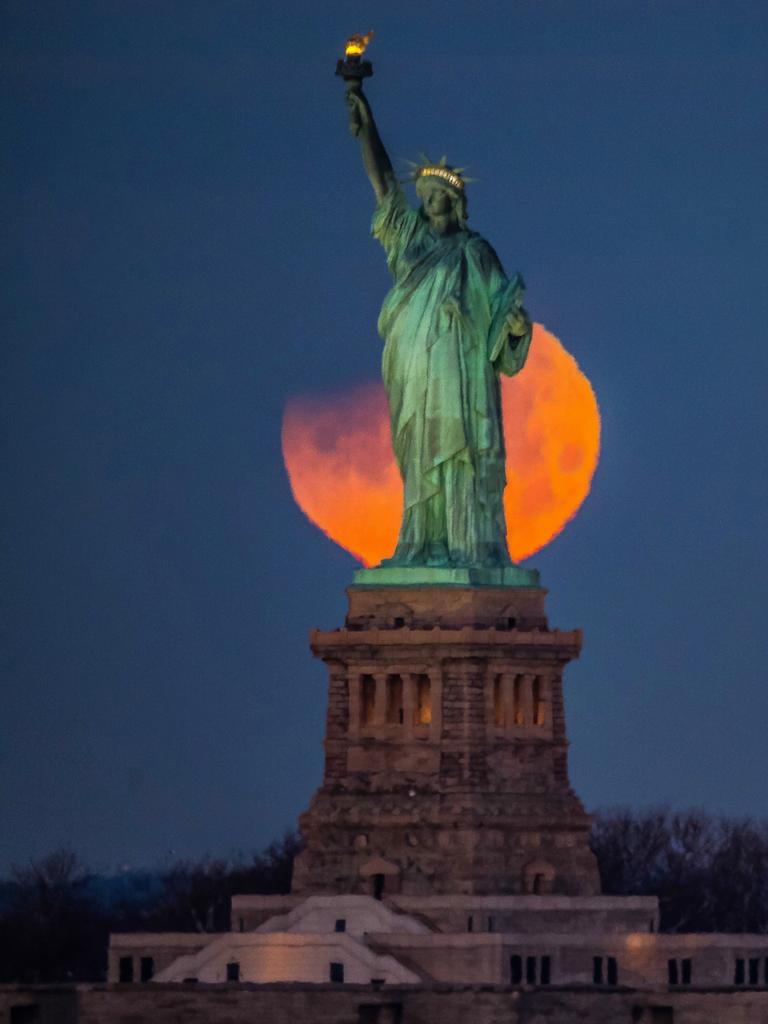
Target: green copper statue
{"points": [[451, 324]]}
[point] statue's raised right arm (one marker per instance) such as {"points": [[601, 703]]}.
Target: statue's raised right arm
{"points": [[376, 160]]}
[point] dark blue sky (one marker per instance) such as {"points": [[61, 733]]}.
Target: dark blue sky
{"points": [[185, 245]]}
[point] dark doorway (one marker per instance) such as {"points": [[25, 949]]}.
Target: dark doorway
{"points": [[26, 1014], [380, 1013], [377, 886], [653, 1015]]}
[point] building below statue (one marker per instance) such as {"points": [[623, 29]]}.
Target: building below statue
{"points": [[446, 872]]}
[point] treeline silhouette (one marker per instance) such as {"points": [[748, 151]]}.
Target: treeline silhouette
{"points": [[710, 874], [56, 915]]}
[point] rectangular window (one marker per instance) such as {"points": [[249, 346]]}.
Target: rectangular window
{"points": [[470, 923], [241, 924], [530, 970], [394, 700], [147, 968], [340, 925], [491, 924], [754, 971], [613, 971], [546, 970], [367, 699], [597, 970], [336, 973], [423, 709], [687, 972], [233, 971], [672, 977], [516, 970], [126, 970], [738, 974]]}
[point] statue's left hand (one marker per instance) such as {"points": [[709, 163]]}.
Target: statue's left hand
{"points": [[518, 322]]}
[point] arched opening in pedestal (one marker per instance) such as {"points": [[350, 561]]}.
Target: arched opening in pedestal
{"points": [[382, 876], [538, 878]]}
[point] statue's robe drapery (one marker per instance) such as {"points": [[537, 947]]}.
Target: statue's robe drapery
{"points": [[445, 343]]}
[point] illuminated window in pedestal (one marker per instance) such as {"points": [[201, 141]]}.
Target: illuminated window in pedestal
{"points": [[517, 701], [423, 709], [538, 703], [394, 700], [367, 699]]}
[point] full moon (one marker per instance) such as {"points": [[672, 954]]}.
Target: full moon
{"points": [[338, 456]]}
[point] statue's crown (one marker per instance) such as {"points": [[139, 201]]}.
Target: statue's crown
{"points": [[442, 170], [445, 173]]}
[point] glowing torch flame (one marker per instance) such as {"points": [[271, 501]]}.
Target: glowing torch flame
{"points": [[356, 45]]}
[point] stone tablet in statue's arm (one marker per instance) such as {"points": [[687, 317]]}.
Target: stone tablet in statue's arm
{"points": [[510, 334]]}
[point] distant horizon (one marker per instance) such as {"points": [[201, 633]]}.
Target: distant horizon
{"points": [[243, 856]]}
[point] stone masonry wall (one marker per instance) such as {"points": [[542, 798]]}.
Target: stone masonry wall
{"points": [[326, 1004]]}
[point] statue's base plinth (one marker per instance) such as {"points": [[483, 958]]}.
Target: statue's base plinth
{"points": [[428, 576]]}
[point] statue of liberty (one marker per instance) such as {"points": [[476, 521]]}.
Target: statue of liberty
{"points": [[451, 324]]}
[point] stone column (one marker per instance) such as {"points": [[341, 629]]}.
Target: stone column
{"points": [[436, 697], [508, 697], [380, 706], [409, 703], [354, 682], [526, 699]]}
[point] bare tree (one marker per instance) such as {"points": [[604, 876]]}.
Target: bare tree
{"points": [[710, 873]]}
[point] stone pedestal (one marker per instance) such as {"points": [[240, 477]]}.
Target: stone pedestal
{"points": [[445, 750]]}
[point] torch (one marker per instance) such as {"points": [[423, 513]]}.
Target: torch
{"points": [[351, 68]]}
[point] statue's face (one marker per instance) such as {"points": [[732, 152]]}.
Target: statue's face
{"points": [[438, 204]]}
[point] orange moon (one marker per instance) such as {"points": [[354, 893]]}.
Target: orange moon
{"points": [[338, 456]]}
